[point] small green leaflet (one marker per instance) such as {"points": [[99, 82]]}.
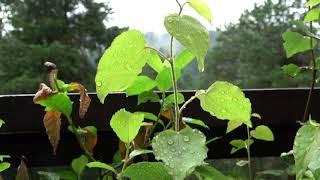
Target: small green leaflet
{"points": [[138, 152], [294, 43], [239, 144], [226, 102], [4, 166], [262, 132], [195, 122], [120, 65], [140, 85], [57, 102], [312, 15], [202, 8], [313, 3], [101, 165], [191, 34], [169, 101], [148, 96], [151, 117], [232, 125], [291, 70], [209, 172], [2, 122], [79, 164], [126, 125]]}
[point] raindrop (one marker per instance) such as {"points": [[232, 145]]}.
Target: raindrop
{"points": [[186, 139], [99, 84], [170, 142]]}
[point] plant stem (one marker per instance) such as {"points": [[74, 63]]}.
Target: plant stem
{"points": [[126, 157], [78, 136], [248, 153], [314, 76], [188, 102]]}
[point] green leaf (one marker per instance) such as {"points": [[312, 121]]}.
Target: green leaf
{"points": [[147, 171], [79, 164], [62, 86], [57, 102], [169, 101], [66, 175], [183, 59], [232, 125], [140, 85], [138, 152], [263, 133], [4, 166], [313, 3], [227, 102], [151, 117], [126, 125], [120, 65], [312, 15], [2, 122], [239, 144], [116, 157], [181, 152], [190, 33], [210, 172], [148, 96], [3, 157], [195, 122], [91, 129], [295, 43], [291, 70], [256, 115], [307, 152], [202, 8], [154, 61], [101, 165], [164, 78], [49, 175]]}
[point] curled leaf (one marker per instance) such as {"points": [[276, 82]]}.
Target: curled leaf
{"points": [[52, 123], [90, 138], [84, 98], [43, 92], [22, 171]]}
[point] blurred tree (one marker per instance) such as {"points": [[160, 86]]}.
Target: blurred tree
{"points": [[250, 53], [70, 33]]}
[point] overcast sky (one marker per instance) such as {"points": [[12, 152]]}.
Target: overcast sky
{"points": [[148, 15]]}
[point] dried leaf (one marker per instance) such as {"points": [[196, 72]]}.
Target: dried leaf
{"points": [[167, 114], [84, 98], [90, 139], [22, 171], [52, 123], [1, 178], [43, 92]]}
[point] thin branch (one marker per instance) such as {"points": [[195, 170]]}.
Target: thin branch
{"points": [[188, 102], [314, 76]]}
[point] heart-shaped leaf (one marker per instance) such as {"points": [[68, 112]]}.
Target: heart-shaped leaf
{"points": [[140, 85], [4, 166], [232, 125], [226, 101], [180, 151], [263, 133], [190, 33], [295, 43], [126, 124], [120, 65], [101, 165], [239, 144], [79, 164], [313, 3], [57, 102], [148, 96], [312, 15]]}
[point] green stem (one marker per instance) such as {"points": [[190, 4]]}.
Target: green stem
{"points": [[157, 51], [126, 158], [189, 101], [248, 153], [314, 76], [78, 136]]}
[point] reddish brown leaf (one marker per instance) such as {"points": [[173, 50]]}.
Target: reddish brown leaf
{"points": [[1, 178], [22, 171], [84, 98], [43, 92], [90, 140], [52, 123]]}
